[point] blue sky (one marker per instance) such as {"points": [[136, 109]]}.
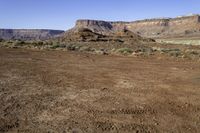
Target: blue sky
{"points": [[62, 14]]}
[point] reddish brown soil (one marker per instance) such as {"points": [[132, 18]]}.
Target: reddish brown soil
{"points": [[59, 92]]}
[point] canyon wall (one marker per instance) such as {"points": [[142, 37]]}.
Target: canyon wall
{"points": [[154, 28], [28, 34]]}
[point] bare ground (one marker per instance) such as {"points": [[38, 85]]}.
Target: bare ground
{"points": [[59, 92]]}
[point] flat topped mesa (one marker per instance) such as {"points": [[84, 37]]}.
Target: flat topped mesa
{"points": [[86, 23], [93, 22], [152, 28]]}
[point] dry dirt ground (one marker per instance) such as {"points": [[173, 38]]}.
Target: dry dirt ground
{"points": [[61, 92]]}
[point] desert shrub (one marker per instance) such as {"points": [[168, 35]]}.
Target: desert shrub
{"points": [[175, 53], [19, 43], [125, 51], [102, 52], [48, 43], [85, 48], [73, 47], [1, 40], [144, 49], [62, 45], [37, 43], [170, 50], [157, 49], [55, 45], [194, 53], [165, 50], [9, 42], [40, 43], [188, 32], [149, 51]]}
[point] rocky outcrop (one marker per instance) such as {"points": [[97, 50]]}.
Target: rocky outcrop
{"points": [[80, 34], [153, 28], [28, 34]]}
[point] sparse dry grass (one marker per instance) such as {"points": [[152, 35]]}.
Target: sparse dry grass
{"points": [[181, 41]]}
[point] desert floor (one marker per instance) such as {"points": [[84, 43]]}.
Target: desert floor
{"points": [[61, 92]]}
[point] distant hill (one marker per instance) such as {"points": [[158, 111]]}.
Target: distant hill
{"points": [[28, 34]]}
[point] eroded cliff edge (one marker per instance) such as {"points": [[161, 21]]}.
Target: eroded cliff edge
{"points": [[184, 26]]}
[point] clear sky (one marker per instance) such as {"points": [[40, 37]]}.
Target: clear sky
{"points": [[62, 14]]}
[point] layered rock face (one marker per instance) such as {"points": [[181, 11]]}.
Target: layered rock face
{"points": [[101, 27], [28, 34], [153, 28]]}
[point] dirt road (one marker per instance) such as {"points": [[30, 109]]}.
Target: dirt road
{"points": [[60, 92]]}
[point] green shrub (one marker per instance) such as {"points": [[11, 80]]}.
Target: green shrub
{"points": [[125, 51], [54, 46]]}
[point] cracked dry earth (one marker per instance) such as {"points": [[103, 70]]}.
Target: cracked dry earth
{"points": [[61, 92]]}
